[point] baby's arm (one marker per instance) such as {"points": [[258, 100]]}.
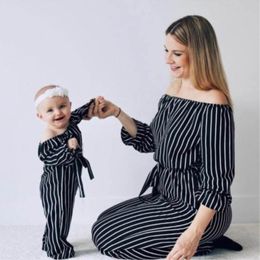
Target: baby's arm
{"points": [[48, 134], [81, 113], [55, 151]]}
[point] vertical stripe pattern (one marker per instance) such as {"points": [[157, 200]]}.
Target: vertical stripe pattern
{"points": [[59, 183], [193, 146]]}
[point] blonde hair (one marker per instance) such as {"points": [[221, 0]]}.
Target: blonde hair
{"points": [[206, 69]]}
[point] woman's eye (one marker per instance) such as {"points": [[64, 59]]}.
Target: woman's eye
{"points": [[166, 50], [177, 54]]}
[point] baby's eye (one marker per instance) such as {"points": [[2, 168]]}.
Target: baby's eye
{"points": [[62, 106], [49, 110], [166, 50]]}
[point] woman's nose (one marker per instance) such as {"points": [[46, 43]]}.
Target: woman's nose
{"points": [[168, 58]]}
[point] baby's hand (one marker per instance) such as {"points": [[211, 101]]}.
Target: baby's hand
{"points": [[93, 108], [90, 113], [73, 143]]}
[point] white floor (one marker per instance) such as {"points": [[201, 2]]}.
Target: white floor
{"points": [[24, 243]]}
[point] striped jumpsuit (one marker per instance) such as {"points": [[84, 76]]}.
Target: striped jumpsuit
{"points": [[193, 146], [59, 183]]}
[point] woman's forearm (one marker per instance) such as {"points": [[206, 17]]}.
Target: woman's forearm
{"points": [[202, 219], [104, 108], [127, 122]]}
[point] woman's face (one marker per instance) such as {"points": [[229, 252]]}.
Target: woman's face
{"points": [[176, 55]]}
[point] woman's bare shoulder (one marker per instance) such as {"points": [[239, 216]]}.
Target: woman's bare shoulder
{"points": [[215, 96]]}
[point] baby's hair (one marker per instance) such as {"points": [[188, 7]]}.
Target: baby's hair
{"points": [[43, 89]]}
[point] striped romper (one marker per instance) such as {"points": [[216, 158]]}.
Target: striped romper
{"points": [[59, 182], [193, 146]]}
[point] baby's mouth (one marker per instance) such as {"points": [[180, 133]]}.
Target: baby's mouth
{"points": [[59, 118]]}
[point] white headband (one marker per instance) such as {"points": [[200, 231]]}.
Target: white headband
{"points": [[52, 92]]}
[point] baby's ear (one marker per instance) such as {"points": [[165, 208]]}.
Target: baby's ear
{"points": [[39, 115]]}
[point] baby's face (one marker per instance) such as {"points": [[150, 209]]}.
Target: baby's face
{"points": [[55, 111]]}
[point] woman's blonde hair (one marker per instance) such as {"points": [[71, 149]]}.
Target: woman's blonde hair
{"points": [[206, 68]]}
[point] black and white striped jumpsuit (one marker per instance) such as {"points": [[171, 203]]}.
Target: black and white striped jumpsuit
{"points": [[59, 183], [193, 145]]}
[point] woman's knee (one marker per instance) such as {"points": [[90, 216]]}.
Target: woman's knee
{"points": [[95, 233], [102, 240]]}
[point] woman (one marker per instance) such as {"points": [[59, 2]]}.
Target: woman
{"points": [[192, 138]]}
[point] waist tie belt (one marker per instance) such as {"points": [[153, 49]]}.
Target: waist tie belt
{"points": [[151, 180], [82, 162]]}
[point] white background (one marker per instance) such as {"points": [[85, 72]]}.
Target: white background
{"points": [[113, 48]]}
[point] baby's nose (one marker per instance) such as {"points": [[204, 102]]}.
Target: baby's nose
{"points": [[58, 112]]}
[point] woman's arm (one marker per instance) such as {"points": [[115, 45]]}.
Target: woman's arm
{"points": [[127, 122], [134, 133], [202, 219], [187, 244], [104, 108]]}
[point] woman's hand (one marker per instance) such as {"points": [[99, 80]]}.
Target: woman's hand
{"points": [[104, 108], [186, 245]]}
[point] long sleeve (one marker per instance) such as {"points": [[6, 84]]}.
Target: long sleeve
{"points": [[217, 154], [55, 152], [143, 142], [80, 113]]}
